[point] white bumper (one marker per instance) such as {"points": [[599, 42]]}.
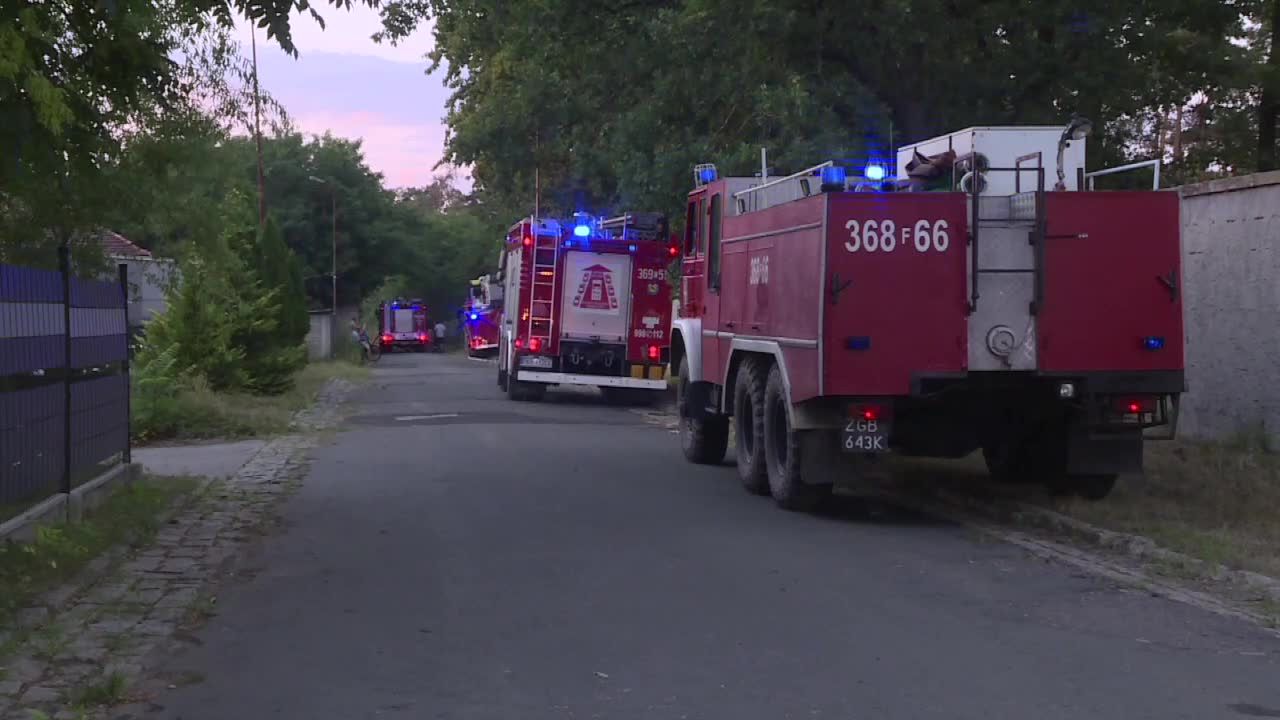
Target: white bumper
{"points": [[556, 378]]}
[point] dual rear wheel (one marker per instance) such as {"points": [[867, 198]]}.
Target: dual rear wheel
{"points": [[768, 448]]}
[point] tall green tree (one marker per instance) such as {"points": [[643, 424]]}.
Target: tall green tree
{"points": [[76, 79], [680, 81]]}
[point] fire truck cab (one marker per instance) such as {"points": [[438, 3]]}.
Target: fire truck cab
{"points": [[482, 316], [1016, 311], [587, 303]]}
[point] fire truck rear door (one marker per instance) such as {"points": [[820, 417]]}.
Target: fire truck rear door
{"points": [[596, 304]]}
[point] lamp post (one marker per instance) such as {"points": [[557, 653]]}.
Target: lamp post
{"points": [[333, 259]]}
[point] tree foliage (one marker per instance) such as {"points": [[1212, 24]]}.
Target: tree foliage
{"points": [[612, 103]]}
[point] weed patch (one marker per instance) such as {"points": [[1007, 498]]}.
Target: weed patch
{"points": [[193, 411], [129, 515]]}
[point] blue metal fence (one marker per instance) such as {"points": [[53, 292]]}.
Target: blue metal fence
{"points": [[64, 397]]}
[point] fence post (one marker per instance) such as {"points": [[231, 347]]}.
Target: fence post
{"points": [[64, 265], [128, 374]]}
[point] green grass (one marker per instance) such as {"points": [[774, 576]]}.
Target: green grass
{"points": [[195, 412], [129, 515], [110, 690], [1217, 502]]}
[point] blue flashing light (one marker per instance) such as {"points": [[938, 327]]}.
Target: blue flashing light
{"points": [[568, 243], [1153, 343], [858, 342], [631, 248], [582, 231], [475, 316], [833, 175], [874, 172], [707, 174]]}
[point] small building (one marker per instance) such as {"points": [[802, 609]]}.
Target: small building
{"points": [[149, 276]]}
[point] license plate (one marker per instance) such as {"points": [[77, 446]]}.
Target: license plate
{"points": [[865, 436], [535, 361]]}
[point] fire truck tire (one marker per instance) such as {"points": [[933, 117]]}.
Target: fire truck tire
{"points": [[703, 441], [1008, 461], [782, 452], [748, 424], [524, 391], [1093, 487]]}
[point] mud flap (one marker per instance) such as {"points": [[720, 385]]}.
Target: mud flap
{"points": [[1104, 453], [699, 400], [822, 462]]}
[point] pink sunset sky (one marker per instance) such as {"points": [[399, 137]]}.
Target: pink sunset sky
{"points": [[345, 83]]}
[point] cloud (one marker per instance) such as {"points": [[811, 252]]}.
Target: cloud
{"points": [[344, 83], [404, 153]]}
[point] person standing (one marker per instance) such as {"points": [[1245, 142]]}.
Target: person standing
{"points": [[440, 330]]}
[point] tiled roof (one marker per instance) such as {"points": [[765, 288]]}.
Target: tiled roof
{"points": [[116, 245]]}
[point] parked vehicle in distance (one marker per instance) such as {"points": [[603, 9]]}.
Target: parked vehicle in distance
{"points": [[482, 316], [403, 325]]}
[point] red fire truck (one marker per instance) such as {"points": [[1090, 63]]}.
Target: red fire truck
{"points": [[588, 303], [404, 326], [482, 316], [1018, 312]]}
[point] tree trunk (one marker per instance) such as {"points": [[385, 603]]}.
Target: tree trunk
{"points": [[1269, 102]]}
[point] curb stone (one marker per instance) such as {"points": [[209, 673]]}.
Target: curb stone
{"points": [[1133, 546], [126, 607]]}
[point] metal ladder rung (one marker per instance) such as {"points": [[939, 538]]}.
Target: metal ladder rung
{"points": [[1005, 271]]}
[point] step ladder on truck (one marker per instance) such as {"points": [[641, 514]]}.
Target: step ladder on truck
{"points": [[1016, 311], [588, 304]]}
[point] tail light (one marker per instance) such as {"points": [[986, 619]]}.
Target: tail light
{"points": [[422, 337], [535, 344], [519, 343], [1135, 404], [870, 412], [673, 251], [655, 353], [388, 339]]}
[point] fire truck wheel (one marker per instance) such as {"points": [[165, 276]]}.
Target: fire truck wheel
{"points": [[1093, 487], [520, 391], [748, 423], [1007, 461], [703, 441], [782, 452]]}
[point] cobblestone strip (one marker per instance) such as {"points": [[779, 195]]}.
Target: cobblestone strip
{"points": [[96, 647]]}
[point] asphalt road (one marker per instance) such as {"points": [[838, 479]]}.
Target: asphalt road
{"points": [[456, 555]]}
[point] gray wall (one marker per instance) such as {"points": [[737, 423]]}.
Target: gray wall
{"points": [[148, 280], [1231, 270], [320, 337]]}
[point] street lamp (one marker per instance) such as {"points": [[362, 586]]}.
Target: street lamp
{"points": [[333, 268]]}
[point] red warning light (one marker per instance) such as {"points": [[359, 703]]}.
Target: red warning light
{"points": [[654, 353], [535, 344]]}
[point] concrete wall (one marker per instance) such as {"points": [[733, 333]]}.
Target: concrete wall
{"points": [[320, 336], [1231, 270], [148, 280]]}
